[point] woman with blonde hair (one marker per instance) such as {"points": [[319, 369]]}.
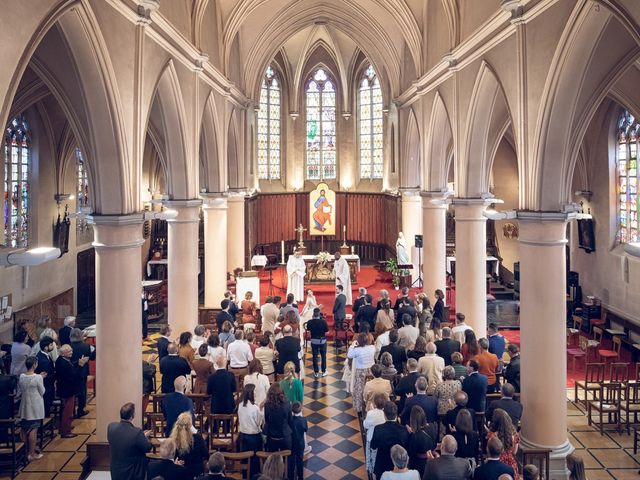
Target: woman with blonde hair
{"points": [[273, 467], [190, 447], [291, 385]]}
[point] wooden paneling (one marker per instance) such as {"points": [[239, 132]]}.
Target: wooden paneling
{"points": [[372, 222]]}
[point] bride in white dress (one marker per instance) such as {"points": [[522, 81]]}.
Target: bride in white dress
{"points": [[307, 311]]}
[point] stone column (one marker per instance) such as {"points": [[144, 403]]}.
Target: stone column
{"points": [[434, 253], [471, 262], [118, 241], [236, 231], [183, 264], [543, 366], [411, 204], [215, 249]]}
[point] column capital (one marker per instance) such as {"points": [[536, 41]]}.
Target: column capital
{"points": [[543, 229], [117, 232], [544, 217], [409, 192], [181, 204], [436, 199], [237, 195], [213, 200], [479, 201], [470, 209]]}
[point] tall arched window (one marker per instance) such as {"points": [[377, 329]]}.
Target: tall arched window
{"points": [[627, 175], [321, 127], [84, 231], [269, 128], [370, 118], [16, 183]]}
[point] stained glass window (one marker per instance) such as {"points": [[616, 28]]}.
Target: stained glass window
{"points": [[321, 127], [16, 183], [269, 128], [627, 175], [370, 126], [84, 231]]}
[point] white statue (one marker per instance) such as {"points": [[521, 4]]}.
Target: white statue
{"points": [[401, 250]]}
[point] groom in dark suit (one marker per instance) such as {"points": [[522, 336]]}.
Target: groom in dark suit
{"points": [[339, 307]]}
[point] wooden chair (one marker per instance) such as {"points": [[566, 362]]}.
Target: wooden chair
{"points": [[156, 402], [540, 457], [608, 404], [619, 372], [631, 405], [223, 432], [238, 464], [587, 345], [46, 430], [283, 453], [201, 403], [342, 334], [636, 440], [157, 424], [614, 354], [13, 453], [575, 353], [574, 331], [594, 376]]}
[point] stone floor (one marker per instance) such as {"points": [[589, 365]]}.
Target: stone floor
{"points": [[336, 440]]}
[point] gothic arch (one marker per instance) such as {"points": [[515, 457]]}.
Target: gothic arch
{"points": [[593, 53], [214, 170], [69, 55], [167, 114], [487, 121], [411, 158], [439, 141]]}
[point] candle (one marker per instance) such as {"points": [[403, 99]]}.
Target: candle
{"points": [[344, 229], [282, 250], [351, 249]]}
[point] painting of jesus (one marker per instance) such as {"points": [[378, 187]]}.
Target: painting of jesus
{"points": [[322, 210]]}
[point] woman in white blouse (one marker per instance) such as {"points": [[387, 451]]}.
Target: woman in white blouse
{"points": [[31, 387], [250, 420], [363, 356], [261, 382]]}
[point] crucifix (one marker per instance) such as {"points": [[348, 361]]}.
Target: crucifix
{"points": [[300, 231]]}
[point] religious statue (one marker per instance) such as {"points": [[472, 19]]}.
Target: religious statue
{"points": [[401, 250], [296, 270], [343, 275], [300, 231]]}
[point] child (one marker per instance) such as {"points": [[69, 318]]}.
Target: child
{"points": [[298, 429]]}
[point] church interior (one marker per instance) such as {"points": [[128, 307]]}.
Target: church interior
{"points": [[158, 154]]}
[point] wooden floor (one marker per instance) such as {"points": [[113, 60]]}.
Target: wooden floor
{"points": [[336, 440]]}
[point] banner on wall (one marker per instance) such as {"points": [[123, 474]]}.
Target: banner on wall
{"points": [[322, 210]]}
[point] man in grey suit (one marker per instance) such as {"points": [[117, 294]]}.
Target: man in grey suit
{"points": [[447, 466], [129, 446], [339, 307]]}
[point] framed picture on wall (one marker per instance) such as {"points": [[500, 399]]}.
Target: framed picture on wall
{"points": [[586, 235]]}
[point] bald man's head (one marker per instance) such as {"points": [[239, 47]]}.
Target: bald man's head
{"points": [[449, 445], [180, 383], [172, 349]]}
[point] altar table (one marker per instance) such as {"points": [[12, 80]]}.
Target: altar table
{"points": [[322, 273]]}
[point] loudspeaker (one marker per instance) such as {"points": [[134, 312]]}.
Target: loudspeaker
{"points": [[418, 241]]}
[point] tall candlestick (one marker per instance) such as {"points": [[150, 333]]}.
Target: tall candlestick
{"points": [[282, 250], [351, 249]]}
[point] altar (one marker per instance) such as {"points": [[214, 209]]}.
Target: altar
{"points": [[321, 273]]}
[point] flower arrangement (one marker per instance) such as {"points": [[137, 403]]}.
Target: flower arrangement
{"points": [[323, 257], [392, 268]]}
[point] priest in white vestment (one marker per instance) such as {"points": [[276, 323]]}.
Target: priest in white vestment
{"points": [[343, 276], [296, 270]]}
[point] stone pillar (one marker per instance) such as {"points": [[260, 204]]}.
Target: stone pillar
{"points": [[236, 231], [543, 366], [471, 262], [434, 253], [215, 249], [411, 204], [118, 241], [182, 239]]}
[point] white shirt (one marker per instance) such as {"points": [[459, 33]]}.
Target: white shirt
{"points": [[374, 418], [262, 386], [382, 341], [239, 354], [407, 336], [457, 332], [432, 366], [249, 418], [214, 353], [196, 341], [364, 357]]}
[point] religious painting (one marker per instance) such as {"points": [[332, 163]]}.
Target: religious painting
{"points": [[510, 230], [322, 210]]}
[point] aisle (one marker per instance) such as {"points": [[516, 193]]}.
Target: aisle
{"points": [[334, 429]]}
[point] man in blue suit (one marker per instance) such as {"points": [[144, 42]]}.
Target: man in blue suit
{"points": [[475, 386], [493, 467], [428, 403], [175, 403]]}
